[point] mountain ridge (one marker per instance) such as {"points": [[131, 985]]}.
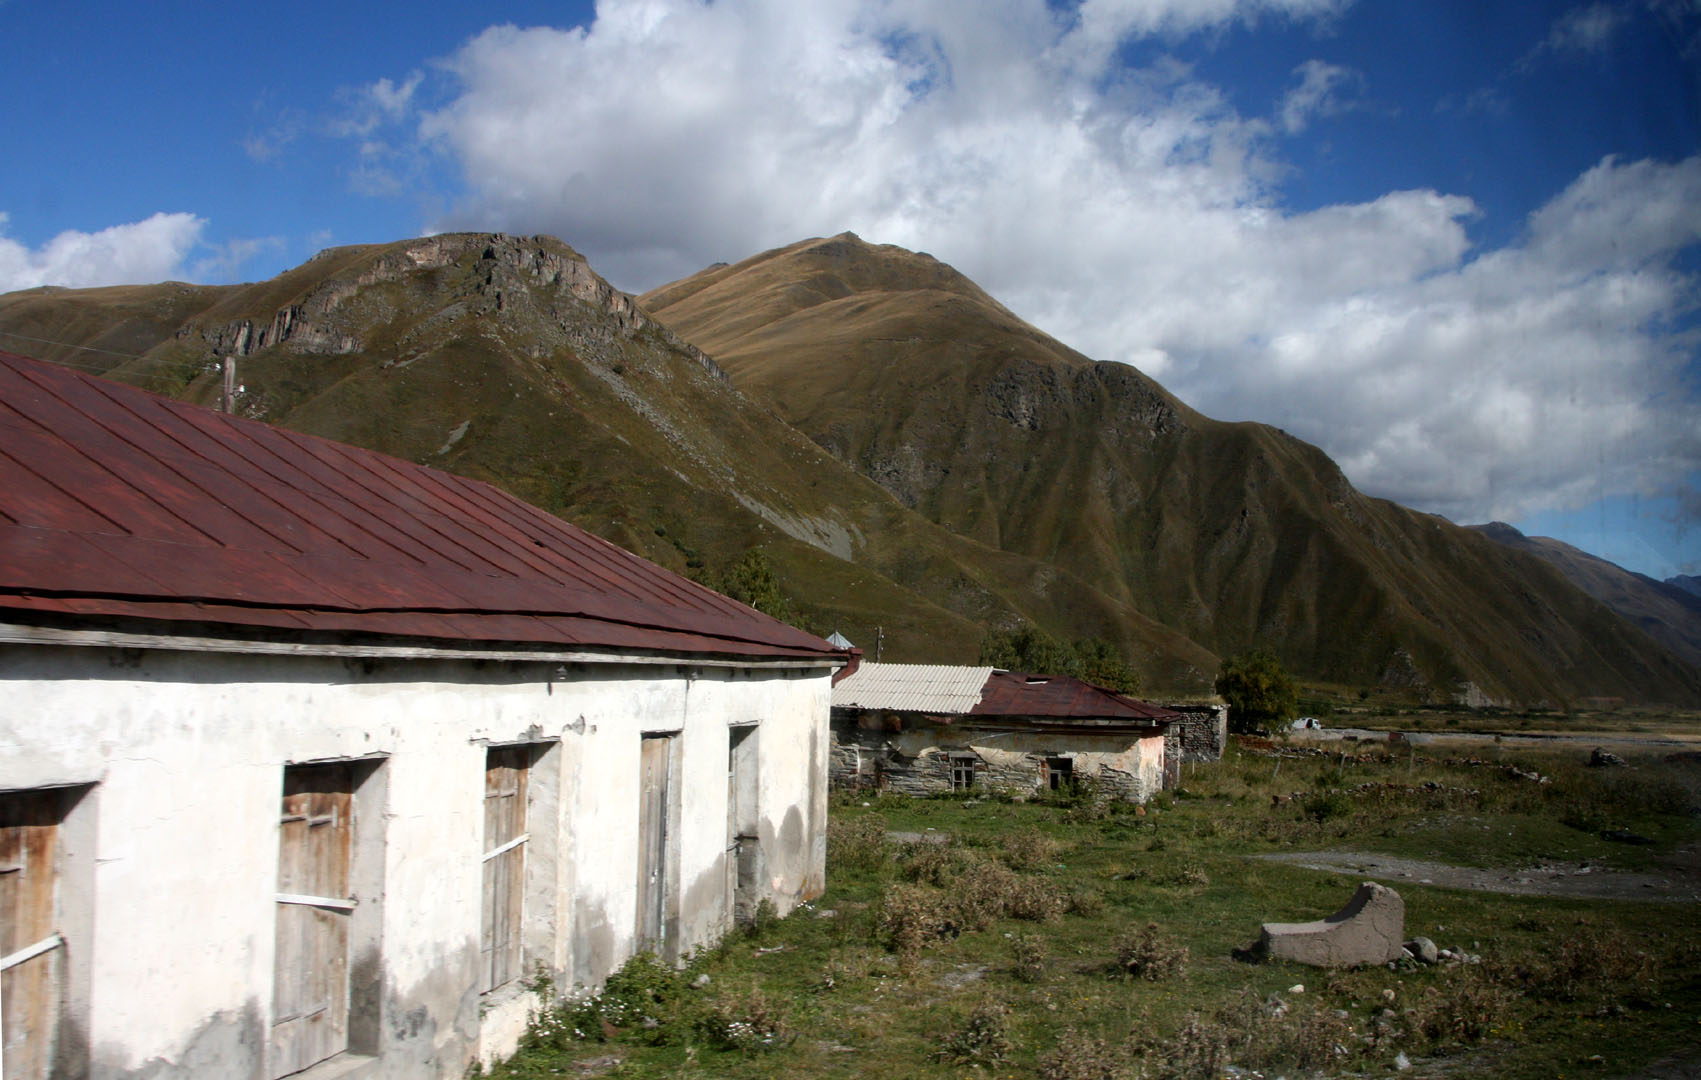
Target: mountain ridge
{"points": [[1237, 535], [937, 469]]}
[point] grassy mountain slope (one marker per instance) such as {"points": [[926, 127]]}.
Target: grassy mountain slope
{"points": [[1668, 613], [1233, 534], [509, 360]]}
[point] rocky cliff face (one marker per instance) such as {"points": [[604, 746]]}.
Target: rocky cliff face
{"points": [[509, 359]]}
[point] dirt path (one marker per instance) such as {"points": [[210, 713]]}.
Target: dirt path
{"points": [[1676, 884], [1634, 740]]}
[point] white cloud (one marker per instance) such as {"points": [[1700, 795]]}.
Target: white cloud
{"points": [[1322, 91], [1129, 212], [368, 107], [1585, 29], [143, 251]]}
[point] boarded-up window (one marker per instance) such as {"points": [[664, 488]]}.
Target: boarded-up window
{"points": [[32, 953], [506, 772], [310, 987], [962, 772]]}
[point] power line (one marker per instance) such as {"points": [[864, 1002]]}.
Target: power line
{"points": [[68, 345]]}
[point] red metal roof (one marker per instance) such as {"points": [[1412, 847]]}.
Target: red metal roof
{"points": [[119, 503], [1060, 697]]}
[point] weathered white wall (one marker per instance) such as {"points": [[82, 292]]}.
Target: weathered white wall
{"points": [[187, 752]]}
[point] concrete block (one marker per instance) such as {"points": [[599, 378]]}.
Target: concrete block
{"points": [[1369, 930]]}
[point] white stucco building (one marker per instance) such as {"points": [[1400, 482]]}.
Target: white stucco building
{"points": [[310, 758]]}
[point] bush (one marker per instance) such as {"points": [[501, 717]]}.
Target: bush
{"points": [[858, 843], [1082, 1057], [982, 1039], [1029, 959], [746, 1020], [642, 996], [1147, 953], [912, 917], [1028, 850]]}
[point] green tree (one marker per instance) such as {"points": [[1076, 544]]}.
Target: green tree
{"points": [[1102, 665], [1259, 693], [1028, 648], [753, 582]]}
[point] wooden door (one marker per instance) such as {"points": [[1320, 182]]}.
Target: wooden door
{"points": [[655, 783], [33, 953], [743, 839], [505, 838], [310, 983]]}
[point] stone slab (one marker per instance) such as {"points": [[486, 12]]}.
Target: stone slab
{"points": [[1368, 930]]}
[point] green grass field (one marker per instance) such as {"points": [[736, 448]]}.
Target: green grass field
{"points": [[1022, 943]]}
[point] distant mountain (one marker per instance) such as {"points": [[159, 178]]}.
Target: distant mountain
{"points": [[508, 359], [1670, 614], [935, 466], [1237, 535], [1687, 582]]}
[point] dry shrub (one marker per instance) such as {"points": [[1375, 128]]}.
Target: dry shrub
{"points": [[858, 843], [1190, 874], [1250, 1035], [1028, 850], [1199, 1050], [745, 1020], [982, 1039], [1466, 1009], [912, 917], [988, 892], [1029, 958], [937, 864], [1087, 903], [1080, 1056], [1591, 960], [1147, 953]]}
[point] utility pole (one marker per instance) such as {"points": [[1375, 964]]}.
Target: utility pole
{"points": [[227, 400], [879, 642]]}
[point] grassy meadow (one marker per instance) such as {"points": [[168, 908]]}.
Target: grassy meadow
{"points": [[1074, 939]]}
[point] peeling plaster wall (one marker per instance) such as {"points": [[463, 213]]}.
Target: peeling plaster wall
{"points": [[186, 753]]}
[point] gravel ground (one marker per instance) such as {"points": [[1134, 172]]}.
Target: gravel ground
{"points": [[1680, 882]]}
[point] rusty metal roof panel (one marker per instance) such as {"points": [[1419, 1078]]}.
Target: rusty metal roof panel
{"points": [[115, 499], [924, 688], [1062, 697]]}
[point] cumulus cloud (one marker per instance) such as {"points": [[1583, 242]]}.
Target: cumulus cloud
{"points": [[1130, 212], [142, 251]]}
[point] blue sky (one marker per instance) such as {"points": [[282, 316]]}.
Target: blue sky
{"points": [[1455, 244]]}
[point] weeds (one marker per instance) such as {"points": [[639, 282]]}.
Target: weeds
{"points": [[1029, 958], [748, 1021], [1080, 1056], [1148, 953], [1080, 887], [982, 1039], [857, 843]]}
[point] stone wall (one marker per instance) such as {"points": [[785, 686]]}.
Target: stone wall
{"points": [[1202, 734], [921, 759]]}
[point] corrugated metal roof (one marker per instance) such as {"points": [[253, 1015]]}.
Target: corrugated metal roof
{"points": [[925, 688], [1061, 697], [117, 502], [987, 692]]}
